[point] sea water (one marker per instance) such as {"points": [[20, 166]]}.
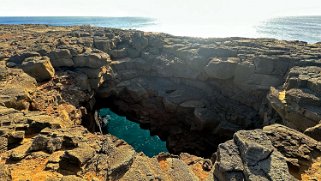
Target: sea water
{"points": [[113, 22], [304, 28], [140, 139]]}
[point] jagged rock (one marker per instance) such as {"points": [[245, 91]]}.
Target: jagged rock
{"points": [[205, 119], [243, 72], [91, 60], [174, 168], [160, 80], [263, 65], [261, 160], [38, 67], [18, 59], [15, 137], [53, 161], [216, 52], [20, 152], [39, 143], [299, 105], [139, 42], [3, 144], [39, 122], [118, 53], [253, 158], [229, 164], [219, 69], [61, 58], [103, 44], [4, 173], [299, 149], [314, 132], [76, 157], [144, 168], [120, 157]]}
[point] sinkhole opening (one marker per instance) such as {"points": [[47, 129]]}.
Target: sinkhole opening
{"points": [[140, 139]]}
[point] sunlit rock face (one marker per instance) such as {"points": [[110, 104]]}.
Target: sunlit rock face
{"points": [[207, 88]]}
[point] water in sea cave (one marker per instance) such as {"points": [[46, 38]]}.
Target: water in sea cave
{"points": [[140, 139]]}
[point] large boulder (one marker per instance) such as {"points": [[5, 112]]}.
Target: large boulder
{"points": [[61, 58], [298, 101], [18, 59], [250, 156], [94, 59], [229, 165], [218, 69], [261, 161], [299, 149], [139, 42], [103, 43], [38, 67], [76, 157]]}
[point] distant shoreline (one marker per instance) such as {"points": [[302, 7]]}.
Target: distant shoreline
{"points": [[303, 28]]}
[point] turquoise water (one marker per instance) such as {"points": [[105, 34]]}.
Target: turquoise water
{"points": [[140, 139]]}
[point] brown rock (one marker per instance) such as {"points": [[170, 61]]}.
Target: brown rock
{"points": [[38, 67]]}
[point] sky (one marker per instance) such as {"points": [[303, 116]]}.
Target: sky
{"points": [[236, 10], [205, 18]]}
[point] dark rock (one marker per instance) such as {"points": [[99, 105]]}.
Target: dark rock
{"points": [[253, 158], [11, 64], [76, 157], [298, 102], [228, 165], [216, 52], [314, 132], [139, 42], [16, 137], [91, 60], [218, 69], [18, 59], [61, 58], [299, 149], [39, 143], [118, 53], [103, 44]]}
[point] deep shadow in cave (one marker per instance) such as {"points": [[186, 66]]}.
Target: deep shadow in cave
{"points": [[185, 141]]}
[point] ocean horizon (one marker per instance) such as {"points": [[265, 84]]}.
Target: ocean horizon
{"points": [[303, 28]]}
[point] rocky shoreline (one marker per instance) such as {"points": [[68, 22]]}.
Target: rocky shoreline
{"points": [[228, 108]]}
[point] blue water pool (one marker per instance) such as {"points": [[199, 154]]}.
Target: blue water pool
{"points": [[140, 139]]}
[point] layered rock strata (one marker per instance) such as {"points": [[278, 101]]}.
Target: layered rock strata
{"points": [[194, 93]]}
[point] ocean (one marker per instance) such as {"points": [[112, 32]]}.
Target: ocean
{"points": [[303, 28]]}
